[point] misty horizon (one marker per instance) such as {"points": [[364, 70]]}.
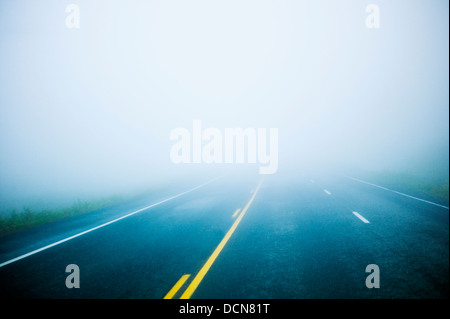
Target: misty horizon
{"points": [[87, 112]]}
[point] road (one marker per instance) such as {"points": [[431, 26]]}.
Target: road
{"points": [[304, 236]]}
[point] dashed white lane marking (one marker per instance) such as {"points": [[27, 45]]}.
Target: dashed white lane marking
{"points": [[360, 217]]}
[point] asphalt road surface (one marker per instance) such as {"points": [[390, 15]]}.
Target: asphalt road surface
{"points": [[240, 237]]}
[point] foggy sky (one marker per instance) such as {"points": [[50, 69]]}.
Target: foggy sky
{"points": [[90, 110]]}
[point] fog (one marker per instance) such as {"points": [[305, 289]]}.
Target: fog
{"points": [[88, 111]]}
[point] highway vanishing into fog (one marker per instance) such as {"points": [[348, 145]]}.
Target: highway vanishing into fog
{"points": [[305, 236]]}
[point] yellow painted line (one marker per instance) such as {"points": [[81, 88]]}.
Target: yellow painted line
{"points": [[236, 212], [199, 277], [176, 287]]}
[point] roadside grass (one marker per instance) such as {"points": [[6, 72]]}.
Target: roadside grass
{"points": [[407, 182], [26, 218]]}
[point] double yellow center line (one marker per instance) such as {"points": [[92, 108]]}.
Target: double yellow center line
{"points": [[176, 287], [201, 274]]}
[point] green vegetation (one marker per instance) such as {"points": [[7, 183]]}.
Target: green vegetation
{"points": [[19, 220], [407, 182]]}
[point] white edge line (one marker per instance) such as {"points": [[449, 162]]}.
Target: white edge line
{"points": [[327, 192], [391, 190], [360, 217], [100, 226]]}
